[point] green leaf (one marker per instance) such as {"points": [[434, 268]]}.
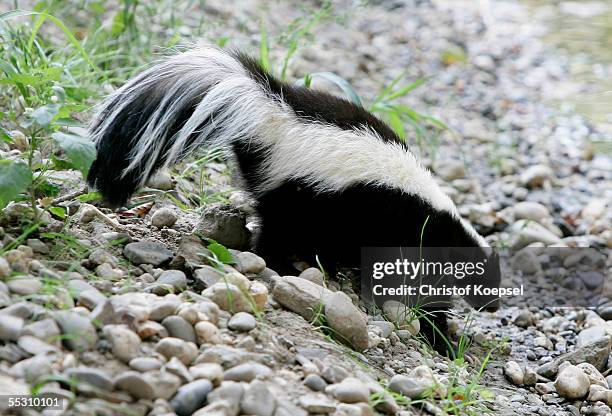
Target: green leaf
{"points": [[43, 116], [80, 151], [343, 84], [221, 252], [90, 196], [5, 135], [15, 177], [59, 212], [264, 56]]}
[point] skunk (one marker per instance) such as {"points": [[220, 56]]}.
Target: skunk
{"points": [[328, 177]]}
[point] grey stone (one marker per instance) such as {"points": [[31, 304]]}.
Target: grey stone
{"points": [[175, 347], [315, 382], [242, 322], [125, 343], [247, 262], [347, 321], [401, 316], [10, 327], [229, 392], [595, 353], [300, 296], [191, 397], [514, 372], [334, 374], [179, 328], [258, 400], [350, 390], [163, 217], [589, 335], [24, 285], [314, 275], [224, 224], [143, 364], [247, 372], [317, 404], [45, 329], [206, 276], [174, 278], [176, 367], [147, 252], [135, 384], [419, 381], [94, 376], [572, 383], [79, 333], [36, 346]]}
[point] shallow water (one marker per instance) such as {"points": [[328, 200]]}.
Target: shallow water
{"points": [[584, 30]]}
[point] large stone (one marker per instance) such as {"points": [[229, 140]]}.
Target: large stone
{"points": [[301, 296], [147, 252], [174, 278], [229, 297], [572, 383], [525, 232], [347, 321], [595, 353], [224, 224], [10, 327]]}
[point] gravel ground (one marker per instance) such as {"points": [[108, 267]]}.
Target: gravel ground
{"points": [[144, 327]]}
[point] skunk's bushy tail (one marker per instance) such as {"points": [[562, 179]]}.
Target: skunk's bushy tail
{"points": [[186, 101]]}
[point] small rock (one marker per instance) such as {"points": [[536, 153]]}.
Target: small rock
{"points": [[179, 328], [176, 367], [258, 400], [334, 374], [144, 364], [536, 175], [147, 252], [589, 335], [163, 217], [315, 382], [242, 322], [595, 353], [314, 275], [229, 392], [247, 262], [94, 376], [525, 232], [206, 276], [524, 319], [37, 246], [175, 347], [224, 224], [530, 377], [10, 327], [162, 180], [207, 333], [24, 285], [125, 343], [247, 372], [401, 316], [79, 333], [418, 382], [317, 404], [190, 397], [600, 394], [5, 268], [595, 377], [228, 297], [135, 384], [350, 390], [572, 383], [35, 346], [209, 371], [514, 373], [451, 169], [45, 329], [533, 211]]}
